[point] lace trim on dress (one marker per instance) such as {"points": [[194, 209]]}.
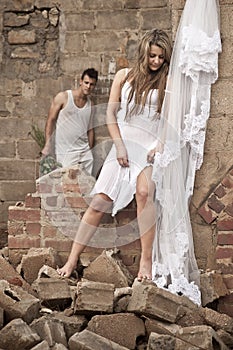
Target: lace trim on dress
{"points": [[199, 53]]}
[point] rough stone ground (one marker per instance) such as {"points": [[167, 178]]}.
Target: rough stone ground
{"points": [[103, 308]]}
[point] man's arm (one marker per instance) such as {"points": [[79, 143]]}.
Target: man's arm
{"points": [[58, 103]]}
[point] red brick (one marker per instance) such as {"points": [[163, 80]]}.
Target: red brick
{"points": [[49, 231], [77, 202], [215, 204], [224, 252], [23, 242], [51, 201], [32, 201], [229, 209], [227, 182], [44, 188], [228, 299], [15, 228], [24, 214], [61, 245], [71, 188], [33, 228], [59, 188], [225, 225], [225, 238], [220, 191], [207, 214]]}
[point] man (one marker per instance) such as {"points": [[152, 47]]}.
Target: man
{"points": [[70, 117]]}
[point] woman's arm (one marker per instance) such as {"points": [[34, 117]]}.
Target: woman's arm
{"points": [[113, 106]]}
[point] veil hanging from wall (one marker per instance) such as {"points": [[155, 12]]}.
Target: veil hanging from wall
{"points": [[185, 111]]}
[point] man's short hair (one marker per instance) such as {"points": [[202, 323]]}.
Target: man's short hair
{"points": [[91, 72]]}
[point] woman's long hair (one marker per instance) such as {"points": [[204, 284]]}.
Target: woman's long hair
{"points": [[141, 78]]}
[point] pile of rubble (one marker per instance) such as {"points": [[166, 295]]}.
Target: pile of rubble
{"points": [[103, 309]]}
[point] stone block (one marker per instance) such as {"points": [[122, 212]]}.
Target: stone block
{"points": [[161, 342], [123, 328], [50, 329], [212, 287], [8, 273], [87, 340], [17, 303], [53, 292], [94, 297], [151, 20], [147, 299], [18, 335], [159, 327], [218, 320], [108, 268], [22, 37], [72, 324], [116, 20], [203, 337], [41, 346], [35, 259]]}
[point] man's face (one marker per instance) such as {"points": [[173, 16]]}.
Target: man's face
{"points": [[87, 85]]}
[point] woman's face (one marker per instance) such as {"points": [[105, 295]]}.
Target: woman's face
{"points": [[156, 57]]}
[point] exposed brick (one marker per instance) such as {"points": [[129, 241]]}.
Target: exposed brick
{"points": [[51, 201], [225, 225], [224, 252], [33, 228], [215, 204], [15, 228], [125, 216], [23, 242], [49, 231], [225, 238], [229, 209], [32, 201], [23, 214], [227, 182], [71, 188], [59, 188], [77, 202], [60, 245], [220, 191], [207, 214], [44, 188]]}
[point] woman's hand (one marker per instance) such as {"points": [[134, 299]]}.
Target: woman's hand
{"points": [[151, 156], [122, 156]]}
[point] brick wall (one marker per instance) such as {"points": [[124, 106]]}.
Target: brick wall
{"points": [[217, 211], [50, 218]]}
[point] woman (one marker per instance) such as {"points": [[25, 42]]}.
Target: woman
{"points": [[132, 116]]}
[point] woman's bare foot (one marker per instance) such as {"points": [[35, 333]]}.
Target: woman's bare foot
{"points": [[145, 269], [66, 270]]}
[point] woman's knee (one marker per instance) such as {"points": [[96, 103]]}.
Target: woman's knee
{"points": [[101, 203]]}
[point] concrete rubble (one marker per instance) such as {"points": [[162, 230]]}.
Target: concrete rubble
{"points": [[101, 311]]}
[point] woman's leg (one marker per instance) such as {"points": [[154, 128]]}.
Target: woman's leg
{"points": [[146, 220], [100, 204]]}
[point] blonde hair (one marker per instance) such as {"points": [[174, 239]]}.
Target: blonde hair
{"points": [[141, 79]]}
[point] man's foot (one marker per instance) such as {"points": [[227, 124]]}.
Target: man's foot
{"points": [[66, 270], [145, 268]]}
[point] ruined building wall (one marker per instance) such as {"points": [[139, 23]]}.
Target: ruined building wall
{"points": [[44, 48]]}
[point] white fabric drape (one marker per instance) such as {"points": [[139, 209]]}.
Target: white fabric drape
{"points": [[185, 111]]}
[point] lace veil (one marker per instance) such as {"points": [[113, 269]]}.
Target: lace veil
{"points": [[185, 111]]}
